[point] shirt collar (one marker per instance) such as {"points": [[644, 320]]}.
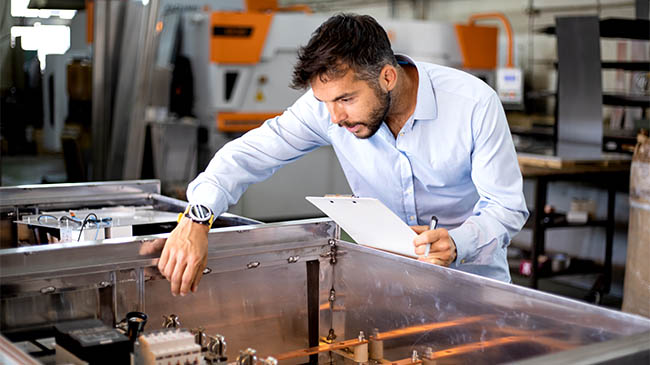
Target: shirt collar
{"points": [[425, 107]]}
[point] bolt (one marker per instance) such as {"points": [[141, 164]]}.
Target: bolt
{"points": [[48, 290], [253, 264], [414, 356]]}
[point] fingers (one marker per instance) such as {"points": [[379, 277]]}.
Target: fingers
{"points": [[442, 250], [167, 270], [177, 276], [150, 247], [419, 229], [440, 246], [427, 237], [188, 279], [421, 249], [162, 261], [197, 277], [434, 260]]}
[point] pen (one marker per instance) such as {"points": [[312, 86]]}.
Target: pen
{"points": [[433, 225]]}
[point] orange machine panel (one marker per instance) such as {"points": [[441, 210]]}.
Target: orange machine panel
{"points": [[90, 21], [478, 46], [242, 122], [260, 6], [238, 38]]}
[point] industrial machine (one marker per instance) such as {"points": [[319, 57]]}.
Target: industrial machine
{"points": [[289, 292], [243, 77], [42, 214], [478, 46]]}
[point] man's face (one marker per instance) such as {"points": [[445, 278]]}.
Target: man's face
{"points": [[353, 103]]}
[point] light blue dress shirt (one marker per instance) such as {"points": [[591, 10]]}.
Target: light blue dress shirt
{"points": [[454, 158]]}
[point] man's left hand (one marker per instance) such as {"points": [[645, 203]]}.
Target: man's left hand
{"points": [[443, 248]]}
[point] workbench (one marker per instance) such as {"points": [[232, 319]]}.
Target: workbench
{"points": [[611, 173]]}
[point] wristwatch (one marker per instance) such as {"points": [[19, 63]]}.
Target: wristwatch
{"points": [[198, 213]]}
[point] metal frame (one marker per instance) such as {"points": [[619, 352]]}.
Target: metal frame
{"points": [[270, 286]]}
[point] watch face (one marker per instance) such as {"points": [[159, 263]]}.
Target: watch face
{"points": [[200, 213]]}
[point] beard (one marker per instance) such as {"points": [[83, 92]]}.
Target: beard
{"points": [[376, 117]]}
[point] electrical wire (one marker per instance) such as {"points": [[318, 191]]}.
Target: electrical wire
{"points": [[86, 221], [45, 216], [91, 218]]}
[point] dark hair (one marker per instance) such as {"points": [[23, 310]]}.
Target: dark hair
{"points": [[344, 41]]}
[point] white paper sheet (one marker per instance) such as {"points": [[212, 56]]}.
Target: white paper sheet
{"points": [[369, 222]]}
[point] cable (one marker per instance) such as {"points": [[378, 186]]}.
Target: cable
{"points": [[72, 219], [85, 221], [45, 216]]}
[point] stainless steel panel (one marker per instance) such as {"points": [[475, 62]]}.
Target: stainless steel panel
{"points": [[264, 305], [10, 354], [389, 292], [35, 195], [227, 243], [174, 146], [630, 350], [24, 312], [580, 95], [124, 91], [248, 307], [255, 293], [109, 25], [134, 151]]}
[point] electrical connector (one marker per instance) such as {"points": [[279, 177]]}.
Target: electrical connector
{"points": [[165, 347]]}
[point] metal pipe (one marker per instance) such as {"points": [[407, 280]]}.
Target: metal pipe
{"points": [[532, 11]]}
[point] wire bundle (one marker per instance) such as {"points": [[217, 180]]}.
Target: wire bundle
{"points": [[91, 218]]}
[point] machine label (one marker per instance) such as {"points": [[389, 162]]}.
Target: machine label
{"points": [[230, 31]]}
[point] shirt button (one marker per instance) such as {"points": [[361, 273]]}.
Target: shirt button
{"points": [[401, 134], [412, 217], [462, 261], [409, 191]]}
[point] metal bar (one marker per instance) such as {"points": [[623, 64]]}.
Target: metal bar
{"points": [[322, 347], [132, 164], [102, 76], [140, 287], [132, 252], [576, 8], [479, 346], [517, 337], [413, 330], [76, 192], [13, 354], [579, 93], [539, 233], [313, 270]]}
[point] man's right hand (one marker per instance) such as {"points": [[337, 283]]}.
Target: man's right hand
{"points": [[185, 256]]}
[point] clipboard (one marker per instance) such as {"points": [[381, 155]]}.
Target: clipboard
{"points": [[369, 223]]}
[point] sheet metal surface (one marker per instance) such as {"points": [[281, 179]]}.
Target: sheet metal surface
{"points": [[255, 293], [503, 322]]}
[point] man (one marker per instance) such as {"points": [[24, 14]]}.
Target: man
{"points": [[423, 139]]}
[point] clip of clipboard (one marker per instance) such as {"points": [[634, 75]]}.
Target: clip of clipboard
{"points": [[368, 222]]}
